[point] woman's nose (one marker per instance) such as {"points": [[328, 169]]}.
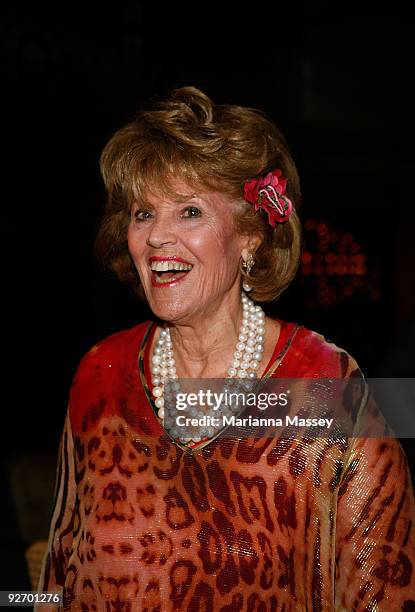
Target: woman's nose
{"points": [[161, 233]]}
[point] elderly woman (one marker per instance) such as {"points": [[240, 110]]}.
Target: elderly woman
{"points": [[149, 516]]}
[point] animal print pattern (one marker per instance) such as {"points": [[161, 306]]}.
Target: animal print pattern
{"points": [[244, 524]]}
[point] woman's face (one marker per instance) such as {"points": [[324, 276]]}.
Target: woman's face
{"points": [[187, 253]]}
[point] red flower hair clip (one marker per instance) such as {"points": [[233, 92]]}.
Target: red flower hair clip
{"points": [[267, 192]]}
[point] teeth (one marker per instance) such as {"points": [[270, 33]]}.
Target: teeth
{"points": [[165, 266]]}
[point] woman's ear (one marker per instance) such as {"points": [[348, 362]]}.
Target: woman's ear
{"points": [[251, 245]]}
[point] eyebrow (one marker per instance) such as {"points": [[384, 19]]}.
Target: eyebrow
{"points": [[180, 200]]}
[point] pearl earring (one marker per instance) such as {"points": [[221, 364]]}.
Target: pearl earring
{"points": [[247, 266]]}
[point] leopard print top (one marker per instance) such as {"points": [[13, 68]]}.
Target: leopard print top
{"points": [[141, 523]]}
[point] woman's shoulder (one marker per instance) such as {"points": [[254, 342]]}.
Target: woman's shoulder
{"points": [[105, 372], [112, 350], [309, 353]]}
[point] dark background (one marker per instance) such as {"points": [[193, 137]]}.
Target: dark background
{"points": [[338, 82]]}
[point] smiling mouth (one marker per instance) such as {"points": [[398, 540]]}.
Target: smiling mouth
{"points": [[169, 271]]}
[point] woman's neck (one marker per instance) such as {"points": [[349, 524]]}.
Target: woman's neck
{"points": [[205, 350], [204, 342], [209, 354]]}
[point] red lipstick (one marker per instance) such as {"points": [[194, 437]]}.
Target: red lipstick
{"points": [[174, 281]]}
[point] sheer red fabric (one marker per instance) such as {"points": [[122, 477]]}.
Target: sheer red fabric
{"points": [[142, 524]]}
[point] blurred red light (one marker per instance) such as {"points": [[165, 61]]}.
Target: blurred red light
{"points": [[310, 224]]}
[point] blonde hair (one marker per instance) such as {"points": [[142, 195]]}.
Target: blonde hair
{"points": [[218, 147]]}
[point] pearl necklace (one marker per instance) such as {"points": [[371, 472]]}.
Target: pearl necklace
{"points": [[248, 354]]}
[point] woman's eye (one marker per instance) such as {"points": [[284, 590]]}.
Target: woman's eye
{"points": [[191, 212], [142, 215]]}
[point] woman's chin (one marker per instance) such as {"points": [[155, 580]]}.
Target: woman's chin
{"points": [[171, 311]]}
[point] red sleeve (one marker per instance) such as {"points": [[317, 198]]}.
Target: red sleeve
{"points": [[375, 532], [375, 537], [55, 563]]}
